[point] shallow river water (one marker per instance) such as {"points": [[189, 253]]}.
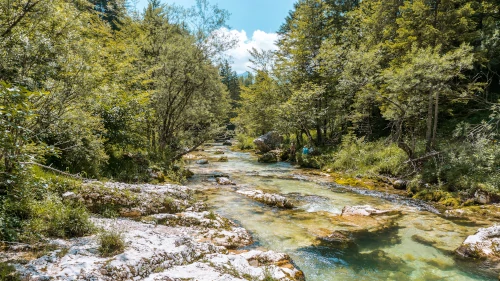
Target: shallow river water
{"points": [[397, 253]]}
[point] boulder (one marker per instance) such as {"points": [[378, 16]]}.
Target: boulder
{"points": [[270, 199], [483, 197], [202, 161], [222, 159], [485, 244], [268, 157], [400, 184], [227, 143], [268, 142], [281, 155], [224, 181], [219, 151], [361, 224]]}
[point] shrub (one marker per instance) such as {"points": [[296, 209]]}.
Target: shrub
{"points": [[128, 167], [8, 273], [111, 243], [466, 166], [170, 205], [48, 181], [245, 142], [369, 158], [53, 218], [177, 172]]}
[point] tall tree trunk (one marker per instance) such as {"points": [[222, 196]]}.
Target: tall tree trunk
{"points": [[319, 134], [428, 134], [298, 136], [436, 113]]}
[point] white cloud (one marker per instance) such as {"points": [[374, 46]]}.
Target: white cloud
{"points": [[240, 55]]}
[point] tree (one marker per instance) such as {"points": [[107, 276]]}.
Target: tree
{"points": [[258, 111], [230, 79], [424, 73], [188, 101]]}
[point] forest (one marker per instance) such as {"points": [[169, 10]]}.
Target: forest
{"points": [[386, 89], [394, 89]]}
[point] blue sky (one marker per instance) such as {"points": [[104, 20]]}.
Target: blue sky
{"points": [[253, 22]]}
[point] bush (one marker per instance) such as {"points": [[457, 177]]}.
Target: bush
{"points": [[311, 161], [56, 183], [369, 158], [53, 218], [8, 273], [245, 142], [128, 167], [466, 165], [111, 243], [178, 173]]}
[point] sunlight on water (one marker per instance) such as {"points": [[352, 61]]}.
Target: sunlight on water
{"points": [[418, 246]]}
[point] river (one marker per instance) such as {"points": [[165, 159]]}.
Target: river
{"points": [[418, 246]]}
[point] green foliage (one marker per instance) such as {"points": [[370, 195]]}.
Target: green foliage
{"points": [[53, 218], [15, 115], [8, 273], [245, 142], [52, 182], [467, 165], [258, 113], [357, 156], [128, 167], [177, 172], [211, 216], [111, 243]]}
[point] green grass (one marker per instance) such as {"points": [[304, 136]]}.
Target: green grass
{"points": [[111, 243], [53, 218], [8, 273], [369, 158]]}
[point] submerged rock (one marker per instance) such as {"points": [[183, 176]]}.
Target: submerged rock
{"points": [[202, 162], [366, 210], [219, 151], [270, 199], [268, 142], [222, 159]]}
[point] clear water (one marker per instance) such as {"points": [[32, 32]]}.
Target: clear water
{"points": [[389, 255]]}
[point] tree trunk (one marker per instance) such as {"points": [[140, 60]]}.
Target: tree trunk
{"points": [[436, 113], [428, 134], [319, 135], [399, 140]]}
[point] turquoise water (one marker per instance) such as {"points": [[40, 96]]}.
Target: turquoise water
{"points": [[418, 246]]}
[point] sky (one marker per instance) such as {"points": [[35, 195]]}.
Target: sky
{"points": [[253, 22]]}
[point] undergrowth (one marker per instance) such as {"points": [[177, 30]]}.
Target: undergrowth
{"points": [[245, 142], [111, 243]]}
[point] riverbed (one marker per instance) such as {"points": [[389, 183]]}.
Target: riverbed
{"points": [[419, 245]]}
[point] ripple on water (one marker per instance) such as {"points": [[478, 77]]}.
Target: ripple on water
{"points": [[394, 253]]}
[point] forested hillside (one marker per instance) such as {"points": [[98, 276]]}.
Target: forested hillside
{"points": [[387, 90], [398, 89]]}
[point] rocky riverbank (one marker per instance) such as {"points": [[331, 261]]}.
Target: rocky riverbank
{"points": [[167, 235]]}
